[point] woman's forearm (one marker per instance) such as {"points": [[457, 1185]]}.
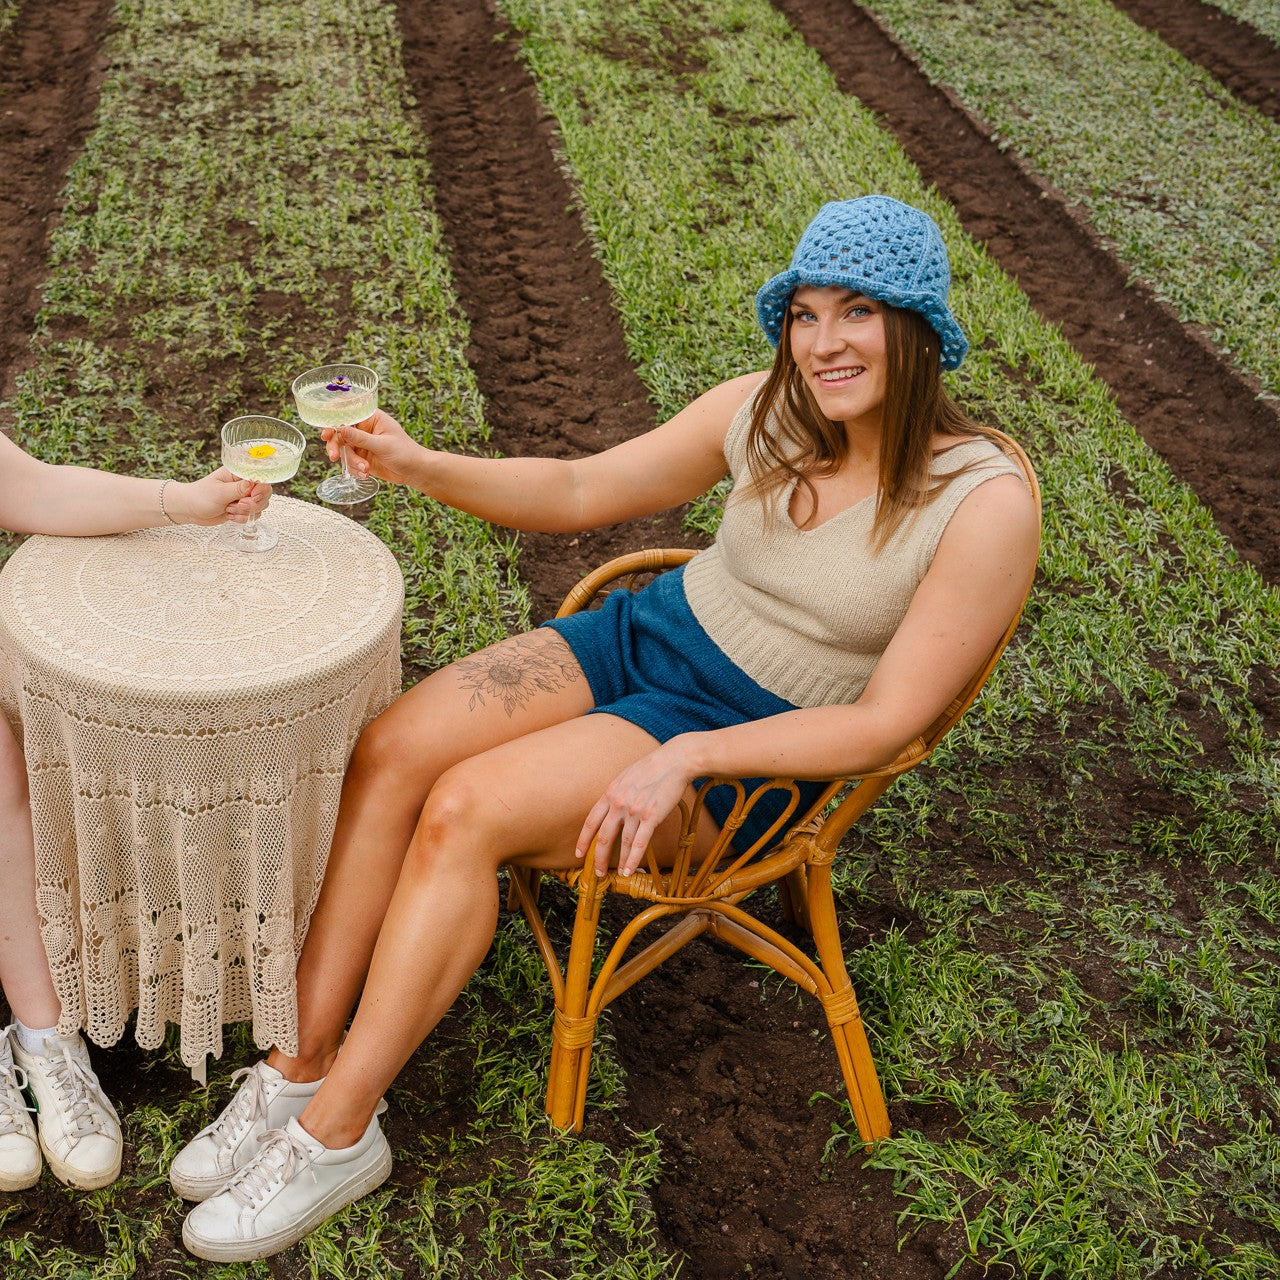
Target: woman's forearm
{"points": [[42, 498], [38, 497], [817, 743], [520, 493]]}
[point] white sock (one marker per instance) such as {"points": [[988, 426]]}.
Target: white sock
{"points": [[32, 1038]]}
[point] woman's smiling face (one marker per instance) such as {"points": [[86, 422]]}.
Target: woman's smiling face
{"points": [[838, 344]]}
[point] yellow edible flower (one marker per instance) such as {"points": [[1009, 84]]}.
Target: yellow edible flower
{"points": [[262, 451]]}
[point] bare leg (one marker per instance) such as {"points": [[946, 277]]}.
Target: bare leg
{"points": [[24, 967], [529, 798], [517, 687]]}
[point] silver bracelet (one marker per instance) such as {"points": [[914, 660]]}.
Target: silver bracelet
{"points": [[163, 485]]}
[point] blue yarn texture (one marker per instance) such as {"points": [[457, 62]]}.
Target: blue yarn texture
{"points": [[881, 248]]}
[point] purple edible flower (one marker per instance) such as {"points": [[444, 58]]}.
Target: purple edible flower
{"points": [[338, 384]]}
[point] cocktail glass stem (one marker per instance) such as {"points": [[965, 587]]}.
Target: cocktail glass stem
{"points": [[249, 530], [343, 462]]}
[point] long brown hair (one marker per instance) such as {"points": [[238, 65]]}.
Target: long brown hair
{"points": [[791, 439]]}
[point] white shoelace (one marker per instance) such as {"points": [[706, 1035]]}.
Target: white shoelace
{"points": [[12, 1082], [77, 1089], [281, 1155], [248, 1104]]}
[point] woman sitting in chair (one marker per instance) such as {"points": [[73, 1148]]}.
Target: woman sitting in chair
{"points": [[875, 546]]}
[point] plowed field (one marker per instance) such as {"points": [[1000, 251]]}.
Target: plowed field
{"points": [[725, 1076]]}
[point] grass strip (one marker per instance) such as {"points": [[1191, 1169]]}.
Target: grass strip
{"points": [[1180, 178], [254, 199], [1128, 1062]]}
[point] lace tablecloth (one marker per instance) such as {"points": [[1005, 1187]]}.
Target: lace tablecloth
{"points": [[187, 714]]}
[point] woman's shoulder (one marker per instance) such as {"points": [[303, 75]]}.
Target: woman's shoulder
{"points": [[996, 504], [737, 393], [972, 461], [986, 486], [950, 450], [735, 399], [724, 403]]}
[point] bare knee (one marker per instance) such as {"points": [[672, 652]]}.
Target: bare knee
{"points": [[388, 754], [462, 823]]}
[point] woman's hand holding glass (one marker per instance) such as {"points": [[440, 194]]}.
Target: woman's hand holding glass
{"points": [[378, 446], [215, 498], [265, 450]]}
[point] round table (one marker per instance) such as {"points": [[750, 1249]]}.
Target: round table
{"points": [[187, 714]]}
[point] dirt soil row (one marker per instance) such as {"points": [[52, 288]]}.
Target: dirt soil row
{"points": [[51, 70], [1239, 57], [725, 1074], [546, 346]]}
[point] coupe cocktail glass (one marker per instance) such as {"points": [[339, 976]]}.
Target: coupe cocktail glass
{"points": [[339, 395], [262, 449]]}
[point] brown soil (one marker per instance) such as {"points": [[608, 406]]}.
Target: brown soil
{"points": [[724, 1073], [546, 345], [50, 74]]}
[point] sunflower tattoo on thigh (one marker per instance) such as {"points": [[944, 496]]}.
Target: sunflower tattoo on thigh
{"points": [[516, 670]]}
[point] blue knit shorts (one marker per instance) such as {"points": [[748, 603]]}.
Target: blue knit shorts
{"points": [[649, 661]]}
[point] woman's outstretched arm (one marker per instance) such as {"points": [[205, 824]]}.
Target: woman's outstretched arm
{"points": [[37, 497], [660, 469]]}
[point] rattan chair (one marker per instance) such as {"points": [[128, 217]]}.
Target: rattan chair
{"points": [[706, 894]]}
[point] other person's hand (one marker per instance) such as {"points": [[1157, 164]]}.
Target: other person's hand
{"points": [[214, 498]]}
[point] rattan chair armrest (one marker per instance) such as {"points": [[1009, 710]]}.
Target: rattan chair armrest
{"points": [[635, 563]]}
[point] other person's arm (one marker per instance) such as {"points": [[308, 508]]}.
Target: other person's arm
{"points": [[39, 497]]}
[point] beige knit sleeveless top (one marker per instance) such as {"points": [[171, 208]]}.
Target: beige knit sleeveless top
{"points": [[806, 613]]}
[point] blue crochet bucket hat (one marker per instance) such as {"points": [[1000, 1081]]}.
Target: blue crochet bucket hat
{"points": [[882, 248]]}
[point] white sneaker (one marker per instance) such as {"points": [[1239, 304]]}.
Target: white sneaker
{"points": [[210, 1160], [79, 1129], [19, 1151], [288, 1189]]}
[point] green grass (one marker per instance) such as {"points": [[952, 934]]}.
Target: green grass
{"points": [[1081, 976], [1180, 177], [1110, 1131], [502, 1195], [244, 209]]}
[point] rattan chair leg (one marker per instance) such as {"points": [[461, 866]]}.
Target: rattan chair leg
{"points": [[847, 1032], [793, 894], [573, 1032], [533, 881]]}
